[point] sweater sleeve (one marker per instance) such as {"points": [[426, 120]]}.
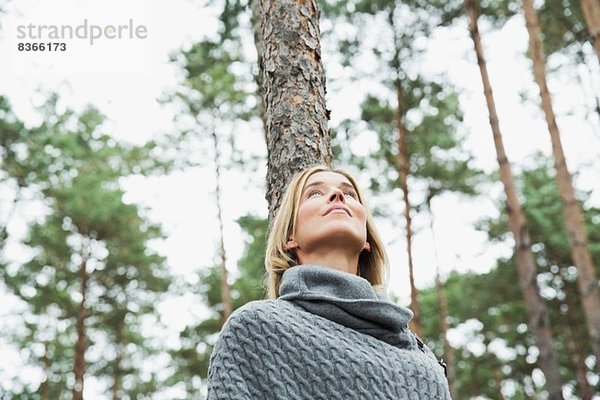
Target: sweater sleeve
{"points": [[231, 372]]}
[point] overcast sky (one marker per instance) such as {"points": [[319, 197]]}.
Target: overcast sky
{"points": [[124, 78]]}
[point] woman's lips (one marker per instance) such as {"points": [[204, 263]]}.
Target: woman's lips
{"points": [[337, 208]]}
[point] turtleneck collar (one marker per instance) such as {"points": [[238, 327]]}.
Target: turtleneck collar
{"points": [[348, 300]]}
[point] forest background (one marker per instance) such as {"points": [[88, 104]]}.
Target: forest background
{"points": [[124, 194]]}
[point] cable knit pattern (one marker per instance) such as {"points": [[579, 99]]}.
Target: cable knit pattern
{"points": [[329, 336]]}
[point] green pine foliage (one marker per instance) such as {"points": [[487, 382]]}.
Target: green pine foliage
{"points": [[71, 168], [197, 340], [74, 168], [491, 302]]}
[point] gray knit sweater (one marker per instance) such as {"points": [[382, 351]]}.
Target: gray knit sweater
{"points": [[328, 336]]}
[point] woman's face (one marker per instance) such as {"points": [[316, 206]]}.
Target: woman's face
{"points": [[329, 215]]}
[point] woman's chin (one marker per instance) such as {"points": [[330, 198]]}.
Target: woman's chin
{"points": [[340, 238]]}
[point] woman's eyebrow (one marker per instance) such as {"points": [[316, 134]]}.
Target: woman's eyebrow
{"points": [[311, 185], [345, 184]]}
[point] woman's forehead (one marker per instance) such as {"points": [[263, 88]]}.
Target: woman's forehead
{"points": [[328, 178]]}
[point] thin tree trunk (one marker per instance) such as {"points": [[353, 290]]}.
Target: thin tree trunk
{"points": [[443, 304], [591, 14], [44, 386], [225, 290], [573, 342], [498, 381], [448, 349], [403, 179], [403, 171], [11, 212], [79, 365], [496, 370], [293, 83], [539, 322], [256, 19], [586, 274], [120, 344]]}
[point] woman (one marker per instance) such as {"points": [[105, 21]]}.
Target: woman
{"points": [[328, 331]]}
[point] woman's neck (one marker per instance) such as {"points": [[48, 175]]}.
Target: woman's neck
{"points": [[336, 258]]}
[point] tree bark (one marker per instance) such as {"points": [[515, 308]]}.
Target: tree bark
{"points": [[11, 212], [293, 84], [573, 342], [79, 364], [256, 20], [586, 274], [118, 360], [225, 290], [539, 321], [403, 167], [443, 305], [44, 386], [498, 381], [403, 172], [591, 14]]}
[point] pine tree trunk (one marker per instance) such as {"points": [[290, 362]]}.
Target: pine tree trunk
{"points": [[448, 349], [498, 381], [495, 369], [403, 180], [79, 365], [11, 212], [578, 361], [120, 344], [256, 20], [44, 386], [591, 14], [539, 322], [586, 274], [293, 83], [403, 171], [443, 305], [225, 290], [573, 342]]}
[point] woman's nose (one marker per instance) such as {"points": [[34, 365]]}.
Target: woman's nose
{"points": [[337, 194]]}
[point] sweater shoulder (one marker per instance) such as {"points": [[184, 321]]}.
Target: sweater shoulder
{"points": [[258, 310], [258, 307]]}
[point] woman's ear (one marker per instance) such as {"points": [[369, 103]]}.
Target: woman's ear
{"points": [[291, 244], [367, 247]]}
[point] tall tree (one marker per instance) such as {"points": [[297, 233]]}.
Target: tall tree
{"points": [[587, 280], [543, 208], [134, 279], [403, 164], [80, 167], [293, 84], [444, 326], [256, 18], [216, 98], [191, 358], [538, 315], [225, 290], [557, 276]]}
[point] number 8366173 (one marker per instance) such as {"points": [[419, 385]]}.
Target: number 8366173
{"points": [[50, 46]]}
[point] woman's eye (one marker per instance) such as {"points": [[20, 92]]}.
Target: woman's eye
{"points": [[312, 192], [350, 193]]}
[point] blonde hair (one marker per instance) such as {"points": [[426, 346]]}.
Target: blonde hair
{"points": [[373, 265]]}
